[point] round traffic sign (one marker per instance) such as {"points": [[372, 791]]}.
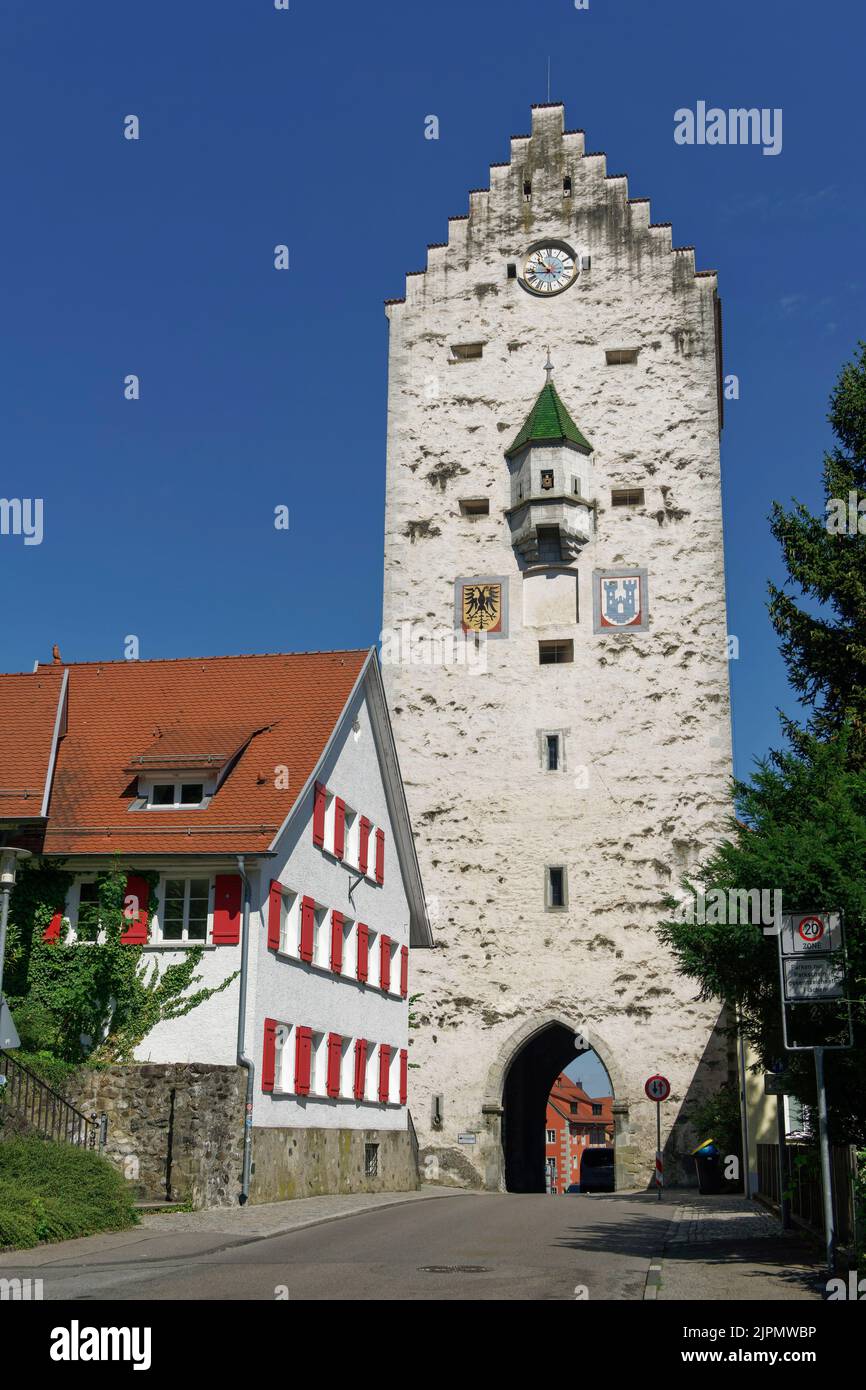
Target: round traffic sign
{"points": [[658, 1088], [811, 929]]}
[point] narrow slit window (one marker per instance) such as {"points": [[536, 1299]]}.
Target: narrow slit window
{"points": [[553, 752], [566, 186], [527, 190], [512, 270], [555, 887], [627, 497]]}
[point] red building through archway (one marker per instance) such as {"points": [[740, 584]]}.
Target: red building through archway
{"points": [[573, 1122]]}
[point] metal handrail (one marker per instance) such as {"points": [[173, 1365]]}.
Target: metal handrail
{"points": [[46, 1110]]}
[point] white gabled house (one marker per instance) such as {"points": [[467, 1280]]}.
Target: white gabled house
{"points": [[262, 796]]}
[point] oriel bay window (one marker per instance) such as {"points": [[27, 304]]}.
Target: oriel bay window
{"points": [[184, 909]]}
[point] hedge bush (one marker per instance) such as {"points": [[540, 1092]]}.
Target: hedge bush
{"points": [[56, 1192]]}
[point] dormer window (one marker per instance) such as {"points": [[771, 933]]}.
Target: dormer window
{"points": [[163, 795]]}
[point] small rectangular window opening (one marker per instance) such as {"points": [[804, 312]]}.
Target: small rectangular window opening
{"points": [[475, 506], [371, 1160], [552, 752], [527, 190], [627, 497], [556, 887], [566, 186], [512, 270], [619, 357], [555, 653], [466, 352]]}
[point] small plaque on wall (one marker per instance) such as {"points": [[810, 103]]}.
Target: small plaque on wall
{"points": [[481, 605], [620, 601]]}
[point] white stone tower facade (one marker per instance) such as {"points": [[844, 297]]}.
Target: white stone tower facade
{"points": [[567, 767]]}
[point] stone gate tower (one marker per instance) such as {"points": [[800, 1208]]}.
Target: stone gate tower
{"points": [[553, 493]]}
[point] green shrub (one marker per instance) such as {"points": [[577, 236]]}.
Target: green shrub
{"points": [[57, 1191]]}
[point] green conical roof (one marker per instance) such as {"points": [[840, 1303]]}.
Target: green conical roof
{"points": [[549, 421]]}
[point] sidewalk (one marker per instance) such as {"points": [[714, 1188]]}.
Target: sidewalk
{"points": [[729, 1248], [204, 1232]]}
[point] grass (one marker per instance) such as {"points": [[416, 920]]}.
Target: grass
{"points": [[54, 1192]]}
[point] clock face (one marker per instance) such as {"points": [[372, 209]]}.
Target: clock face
{"points": [[549, 269]]}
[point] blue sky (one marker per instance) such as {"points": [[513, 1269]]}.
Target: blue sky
{"points": [[261, 388]]}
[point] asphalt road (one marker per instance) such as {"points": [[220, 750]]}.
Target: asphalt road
{"points": [[466, 1246]]}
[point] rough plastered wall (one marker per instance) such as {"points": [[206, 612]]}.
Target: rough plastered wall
{"points": [[645, 715]]}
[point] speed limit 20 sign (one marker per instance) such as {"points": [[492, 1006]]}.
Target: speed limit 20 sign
{"points": [[658, 1088]]}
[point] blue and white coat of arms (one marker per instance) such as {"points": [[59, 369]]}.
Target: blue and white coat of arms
{"points": [[620, 600]]}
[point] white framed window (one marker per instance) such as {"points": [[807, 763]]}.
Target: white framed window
{"points": [[371, 1073], [394, 972], [551, 1136], [290, 922], [371, 855], [394, 1076], [330, 816], [350, 948], [173, 796], [83, 914], [284, 1056], [373, 958], [319, 1064], [185, 907], [321, 937], [353, 838], [347, 1067]]}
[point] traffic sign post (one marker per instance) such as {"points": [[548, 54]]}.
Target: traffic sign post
{"points": [[658, 1088], [812, 972]]}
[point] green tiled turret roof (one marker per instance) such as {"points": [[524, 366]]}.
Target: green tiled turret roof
{"points": [[549, 421]]}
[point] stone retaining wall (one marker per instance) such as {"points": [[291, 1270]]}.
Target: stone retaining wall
{"points": [[174, 1130]]}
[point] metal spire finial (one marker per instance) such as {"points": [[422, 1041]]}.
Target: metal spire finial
{"points": [[548, 367]]}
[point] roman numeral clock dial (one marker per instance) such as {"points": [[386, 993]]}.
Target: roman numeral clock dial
{"points": [[549, 269]]}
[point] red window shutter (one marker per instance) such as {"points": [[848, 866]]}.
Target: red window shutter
{"points": [[227, 896], [380, 856], [363, 943], [339, 827], [269, 1054], [54, 928], [360, 1067], [404, 971], [275, 914], [308, 929], [335, 1054], [337, 920], [363, 843], [135, 900], [384, 1071], [303, 1052], [404, 1075], [319, 814], [384, 962]]}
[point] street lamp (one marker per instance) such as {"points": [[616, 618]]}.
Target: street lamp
{"points": [[9, 861]]}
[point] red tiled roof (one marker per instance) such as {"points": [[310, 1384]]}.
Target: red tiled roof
{"points": [[28, 714], [117, 709]]}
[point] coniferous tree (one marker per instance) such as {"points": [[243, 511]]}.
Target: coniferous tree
{"points": [[800, 822], [824, 645]]}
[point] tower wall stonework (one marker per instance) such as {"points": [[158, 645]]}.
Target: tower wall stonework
{"points": [[643, 716]]}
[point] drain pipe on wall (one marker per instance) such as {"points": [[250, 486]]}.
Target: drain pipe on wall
{"points": [[243, 1059]]}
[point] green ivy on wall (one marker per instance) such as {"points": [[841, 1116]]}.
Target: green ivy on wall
{"points": [[95, 997]]}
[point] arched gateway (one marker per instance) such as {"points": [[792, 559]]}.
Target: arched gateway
{"points": [[518, 1086], [554, 650]]}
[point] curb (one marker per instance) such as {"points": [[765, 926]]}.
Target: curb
{"points": [[656, 1264]]}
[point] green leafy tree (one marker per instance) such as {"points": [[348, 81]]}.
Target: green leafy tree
{"points": [[95, 997]]}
